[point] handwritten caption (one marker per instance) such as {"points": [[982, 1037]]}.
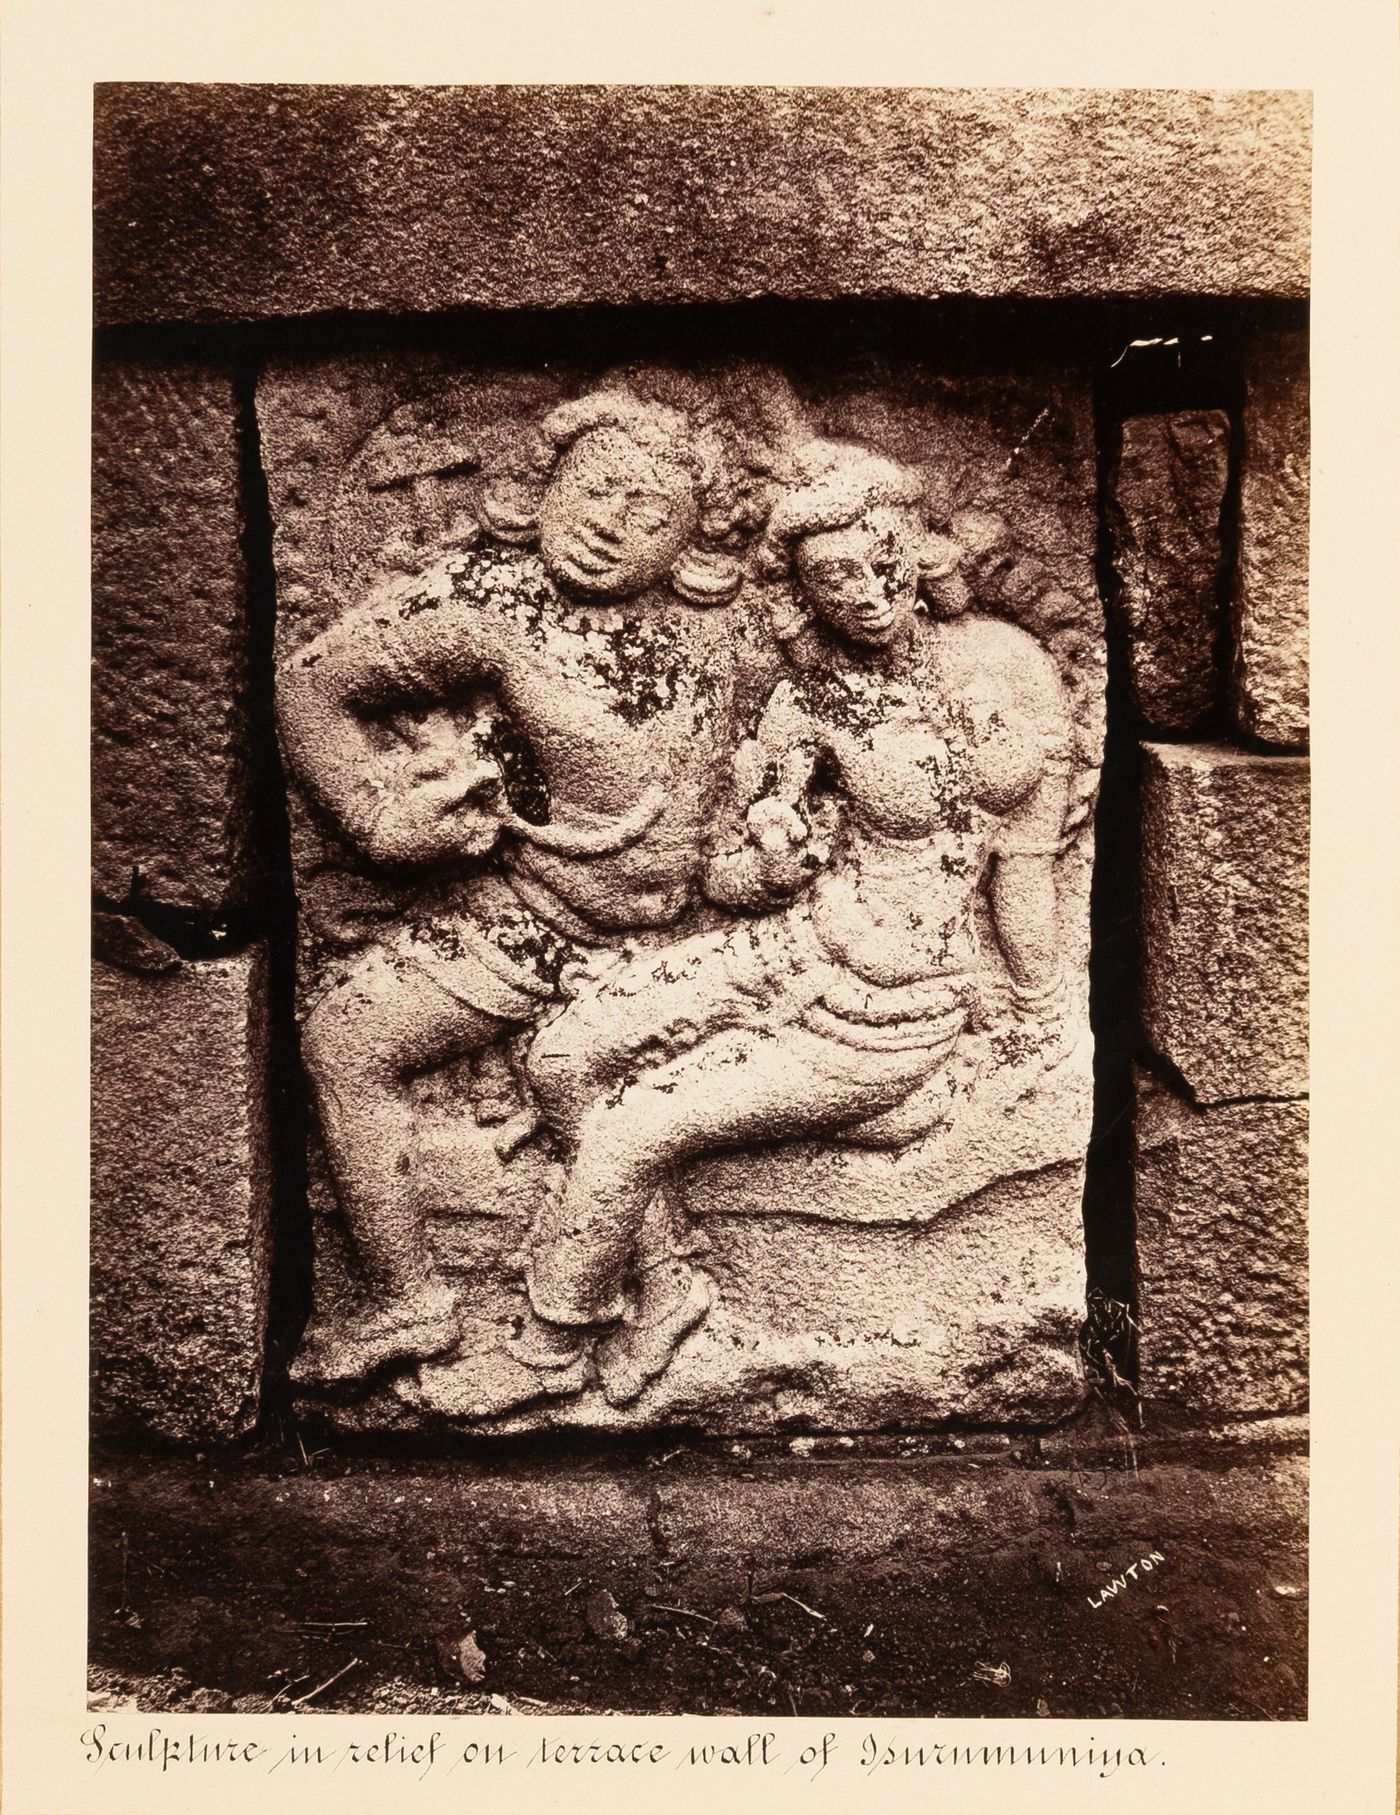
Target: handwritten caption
{"points": [[436, 1752]]}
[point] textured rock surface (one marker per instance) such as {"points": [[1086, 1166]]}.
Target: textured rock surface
{"points": [[235, 202], [1165, 504], [821, 1324], [755, 1581], [180, 1197], [170, 636], [1221, 1199], [1271, 605], [934, 1271], [1224, 918]]}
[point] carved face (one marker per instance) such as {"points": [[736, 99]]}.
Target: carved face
{"points": [[861, 580], [614, 519]]}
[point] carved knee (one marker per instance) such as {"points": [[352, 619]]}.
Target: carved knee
{"points": [[343, 1043], [624, 1149]]}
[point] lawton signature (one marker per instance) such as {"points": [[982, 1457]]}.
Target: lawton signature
{"points": [[1147, 1564]]}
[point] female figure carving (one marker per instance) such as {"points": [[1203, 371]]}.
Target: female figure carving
{"points": [[900, 762]]}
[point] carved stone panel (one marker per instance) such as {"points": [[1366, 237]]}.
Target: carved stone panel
{"points": [[692, 771]]}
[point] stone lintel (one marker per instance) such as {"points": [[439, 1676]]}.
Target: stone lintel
{"points": [[236, 202]]}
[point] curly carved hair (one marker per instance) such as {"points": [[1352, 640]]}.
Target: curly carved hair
{"points": [[834, 483], [831, 486], [710, 426]]}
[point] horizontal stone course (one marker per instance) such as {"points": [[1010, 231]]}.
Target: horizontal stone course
{"points": [[1221, 1199], [181, 1237], [237, 202], [1224, 918], [170, 637], [870, 1587]]}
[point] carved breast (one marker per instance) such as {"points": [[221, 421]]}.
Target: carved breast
{"points": [[906, 775]]}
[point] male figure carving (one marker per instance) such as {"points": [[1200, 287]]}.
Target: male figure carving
{"points": [[621, 689]]}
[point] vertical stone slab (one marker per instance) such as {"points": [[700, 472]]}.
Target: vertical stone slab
{"points": [[181, 1236], [840, 1080], [170, 792], [1221, 1197], [1270, 672], [1164, 502], [1224, 918]]}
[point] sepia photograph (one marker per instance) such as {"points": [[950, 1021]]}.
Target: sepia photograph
{"points": [[700, 836]]}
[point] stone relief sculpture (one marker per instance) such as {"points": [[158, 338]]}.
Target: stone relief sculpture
{"points": [[591, 646], [899, 758], [719, 816]]}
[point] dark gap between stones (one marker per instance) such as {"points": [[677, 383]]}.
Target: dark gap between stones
{"points": [[993, 328], [189, 934], [1187, 360], [271, 887], [1109, 1225]]}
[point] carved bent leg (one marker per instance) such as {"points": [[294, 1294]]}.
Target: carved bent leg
{"points": [[638, 1015], [362, 1045], [738, 1088], [539, 1360]]}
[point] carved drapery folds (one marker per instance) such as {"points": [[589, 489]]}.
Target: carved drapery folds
{"points": [[691, 775]]}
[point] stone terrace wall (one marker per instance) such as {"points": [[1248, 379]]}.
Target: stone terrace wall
{"points": [[235, 223]]}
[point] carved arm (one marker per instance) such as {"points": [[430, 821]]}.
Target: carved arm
{"points": [[766, 849], [397, 800], [1024, 900]]}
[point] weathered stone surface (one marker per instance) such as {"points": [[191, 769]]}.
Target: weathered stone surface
{"points": [[1165, 504], [577, 951], [180, 1198], [170, 636], [1221, 1199], [869, 1585], [821, 1323], [227, 202], [1271, 604], [1224, 918], [923, 1509]]}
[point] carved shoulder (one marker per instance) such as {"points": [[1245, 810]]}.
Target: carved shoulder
{"points": [[429, 632], [1000, 664]]}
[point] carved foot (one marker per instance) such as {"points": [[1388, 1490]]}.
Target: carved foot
{"points": [[637, 1353], [512, 1135], [493, 1381], [412, 1326]]}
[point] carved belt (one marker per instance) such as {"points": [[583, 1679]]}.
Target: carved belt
{"points": [[929, 1012], [915, 1033]]}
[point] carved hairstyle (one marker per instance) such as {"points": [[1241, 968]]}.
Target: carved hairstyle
{"points": [[674, 417], [833, 484]]}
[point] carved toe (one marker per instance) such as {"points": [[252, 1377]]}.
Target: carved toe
{"points": [[638, 1353]]}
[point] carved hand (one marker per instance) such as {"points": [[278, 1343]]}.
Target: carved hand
{"points": [[1059, 1042], [1043, 1013], [787, 854], [436, 804]]}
